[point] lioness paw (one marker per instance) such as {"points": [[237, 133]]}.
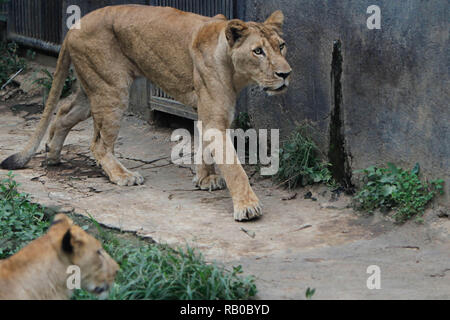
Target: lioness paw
{"points": [[247, 212], [128, 179], [211, 182]]}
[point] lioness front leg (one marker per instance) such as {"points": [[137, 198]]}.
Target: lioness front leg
{"points": [[106, 129], [245, 202]]}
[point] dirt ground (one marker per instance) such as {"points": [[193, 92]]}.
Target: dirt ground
{"points": [[316, 241]]}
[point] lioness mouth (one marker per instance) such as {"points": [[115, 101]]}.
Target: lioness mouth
{"points": [[100, 290], [277, 89]]}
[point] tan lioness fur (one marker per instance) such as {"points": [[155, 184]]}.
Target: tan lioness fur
{"points": [[202, 62], [40, 270]]}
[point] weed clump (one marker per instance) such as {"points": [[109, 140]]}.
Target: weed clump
{"points": [[20, 220], [396, 188], [300, 162]]}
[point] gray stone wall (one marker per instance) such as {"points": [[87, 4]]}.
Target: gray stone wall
{"points": [[394, 104]]}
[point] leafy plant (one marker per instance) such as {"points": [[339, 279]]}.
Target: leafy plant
{"points": [[47, 80], [300, 163], [243, 121], [31, 54], [10, 62], [395, 188], [20, 220], [309, 293]]}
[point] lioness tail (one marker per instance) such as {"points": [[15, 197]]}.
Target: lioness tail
{"points": [[19, 160]]}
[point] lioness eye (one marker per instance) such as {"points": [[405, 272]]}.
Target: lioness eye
{"points": [[258, 51], [282, 46]]}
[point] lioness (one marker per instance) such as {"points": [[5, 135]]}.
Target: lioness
{"points": [[202, 62], [39, 271]]}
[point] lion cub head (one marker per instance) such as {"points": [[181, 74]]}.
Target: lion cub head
{"points": [[258, 51], [98, 269]]}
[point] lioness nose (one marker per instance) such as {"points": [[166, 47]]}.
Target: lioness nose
{"points": [[283, 75]]}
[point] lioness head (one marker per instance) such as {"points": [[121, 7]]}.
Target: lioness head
{"points": [[258, 51], [98, 269]]}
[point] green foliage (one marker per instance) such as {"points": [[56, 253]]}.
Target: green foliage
{"points": [[159, 272], [31, 54], [300, 163], [148, 271], [10, 62], [20, 220], [395, 188], [47, 80], [309, 293], [243, 121]]}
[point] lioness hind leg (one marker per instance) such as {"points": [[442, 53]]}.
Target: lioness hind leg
{"points": [[107, 113], [70, 113]]}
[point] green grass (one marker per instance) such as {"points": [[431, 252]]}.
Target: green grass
{"points": [[300, 164], [398, 189], [148, 270], [20, 220], [10, 62]]}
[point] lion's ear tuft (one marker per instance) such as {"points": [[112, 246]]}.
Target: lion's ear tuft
{"points": [[276, 20], [235, 30]]}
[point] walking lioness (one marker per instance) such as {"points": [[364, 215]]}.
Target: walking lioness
{"points": [[202, 62]]}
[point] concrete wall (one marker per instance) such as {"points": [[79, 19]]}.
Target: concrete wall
{"points": [[394, 85]]}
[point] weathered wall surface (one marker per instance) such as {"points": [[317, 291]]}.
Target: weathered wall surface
{"points": [[394, 104]]}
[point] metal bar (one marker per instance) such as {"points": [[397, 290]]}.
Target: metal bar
{"points": [[173, 107], [34, 43]]}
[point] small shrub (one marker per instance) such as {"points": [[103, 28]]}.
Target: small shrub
{"points": [[47, 80], [10, 62], [300, 163], [395, 188]]}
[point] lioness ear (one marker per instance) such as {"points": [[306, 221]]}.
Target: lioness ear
{"points": [[220, 17], [61, 218], [72, 239], [276, 20], [235, 30]]}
